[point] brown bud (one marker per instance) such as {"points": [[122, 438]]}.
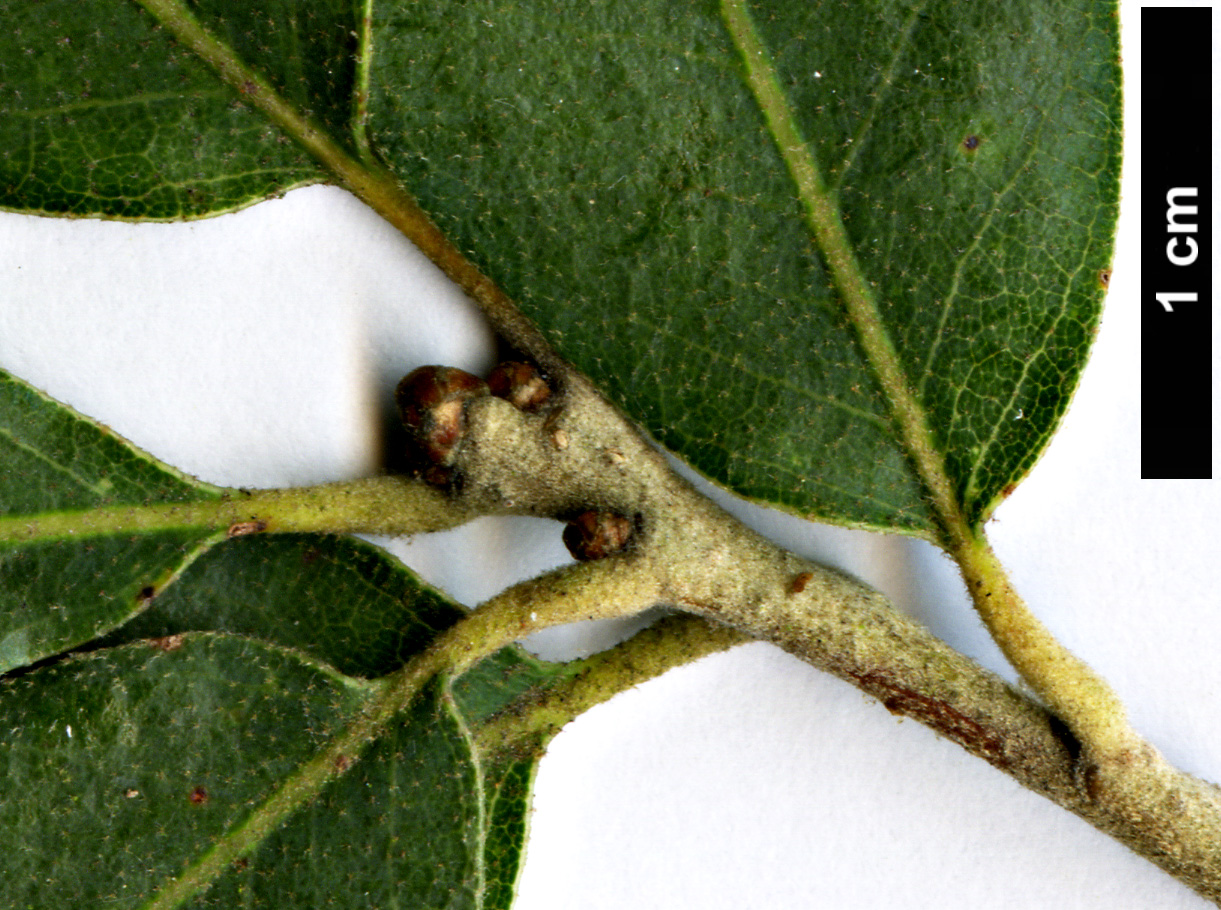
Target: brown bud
{"points": [[596, 535], [431, 402], [520, 384]]}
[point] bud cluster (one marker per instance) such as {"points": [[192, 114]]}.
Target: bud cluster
{"points": [[432, 402]]}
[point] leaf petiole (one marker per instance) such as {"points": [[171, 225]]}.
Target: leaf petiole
{"points": [[391, 505]]}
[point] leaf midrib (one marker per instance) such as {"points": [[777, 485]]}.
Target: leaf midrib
{"points": [[825, 223]]}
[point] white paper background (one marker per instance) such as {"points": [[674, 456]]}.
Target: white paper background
{"points": [[260, 349]]}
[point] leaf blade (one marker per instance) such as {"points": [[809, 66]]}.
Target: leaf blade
{"points": [[1030, 163], [588, 217], [402, 827], [352, 605], [58, 593], [110, 579], [112, 741], [337, 599], [102, 114], [54, 458]]}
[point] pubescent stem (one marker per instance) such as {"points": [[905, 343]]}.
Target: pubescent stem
{"points": [[389, 505], [1080, 697], [689, 553], [1077, 694], [704, 562], [527, 725], [1074, 692], [589, 591]]}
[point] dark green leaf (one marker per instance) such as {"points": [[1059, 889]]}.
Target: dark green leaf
{"points": [[61, 591], [406, 824], [102, 113], [351, 604], [502, 679], [338, 599], [64, 593], [508, 786], [306, 48], [401, 829], [52, 459], [508, 682], [607, 165], [122, 767]]}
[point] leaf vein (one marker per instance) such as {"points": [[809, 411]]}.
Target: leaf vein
{"points": [[93, 104], [956, 279], [714, 354], [879, 95], [97, 488], [825, 223]]}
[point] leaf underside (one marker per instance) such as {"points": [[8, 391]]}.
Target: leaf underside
{"points": [[607, 165], [102, 114], [629, 189], [158, 751], [420, 819], [228, 665], [62, 591], [403, 828], [167, 749]]}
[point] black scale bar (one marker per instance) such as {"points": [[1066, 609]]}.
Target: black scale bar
{"points": [[1176, 243]]}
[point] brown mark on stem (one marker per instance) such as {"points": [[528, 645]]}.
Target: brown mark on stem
{"points": [[244, 528], [945, 719]]}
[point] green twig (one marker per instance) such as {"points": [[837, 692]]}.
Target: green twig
{"points": [[389, 505], [600, 590], [1076, 694], [526, 726]]}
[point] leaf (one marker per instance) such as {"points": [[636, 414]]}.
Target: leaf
{"points": [[401, 829], [505, 681], [367, 833], [337, 599], [349, 603], [171, 746], [156, 751], [52, 458], [508, 788], [609, 166], [505, 678], [58, 591], [102, 113], [408, 824]]}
